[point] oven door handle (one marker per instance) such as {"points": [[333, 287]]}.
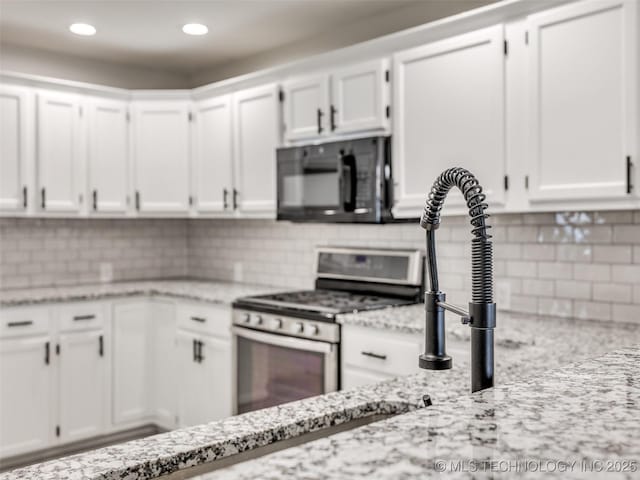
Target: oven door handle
{"points": [[283, 341]]}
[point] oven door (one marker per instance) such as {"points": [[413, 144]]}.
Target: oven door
{"points": [[274, 369]]}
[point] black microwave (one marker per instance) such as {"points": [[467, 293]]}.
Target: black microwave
{"points": [[347, 181]]}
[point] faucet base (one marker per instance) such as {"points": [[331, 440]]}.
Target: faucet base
{"points": [[434, 362]]}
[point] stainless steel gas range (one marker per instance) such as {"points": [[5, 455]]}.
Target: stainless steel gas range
{"points": [[287, 345]]}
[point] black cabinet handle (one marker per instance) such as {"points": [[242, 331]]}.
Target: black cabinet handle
{"points": [[225, 193], [24, 197], [80, 318], [22, 323], [374, 355], [101, 346], [199, 319], [47, 349], [629, 168], [137, 200], [200, 356], [235, 199], [194, 347], [319, 118], [333, 118], [95, 200], [43, 194]]}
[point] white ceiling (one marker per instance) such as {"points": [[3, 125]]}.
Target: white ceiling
{"points": [[148, 32]]}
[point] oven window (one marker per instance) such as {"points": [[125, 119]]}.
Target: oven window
{"points": [[270, 375], [310, 183]]}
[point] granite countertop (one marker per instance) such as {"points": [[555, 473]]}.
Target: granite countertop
{"points": [[209, 291], [526, 346], [575, 421]]}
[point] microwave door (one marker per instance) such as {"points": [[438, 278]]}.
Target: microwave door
{"points": [[310, 185]]}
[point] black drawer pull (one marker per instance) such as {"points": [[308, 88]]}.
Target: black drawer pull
{"points": [[101, 346], [23, 323], [199, 319], [46, 353], [200, 356], [374, 355], [79, 318]]}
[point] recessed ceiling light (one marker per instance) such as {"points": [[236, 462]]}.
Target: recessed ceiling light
{"points": [[195, 29], [82, 29]]}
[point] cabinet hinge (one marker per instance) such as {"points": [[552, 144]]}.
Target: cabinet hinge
{"points": [[526, 38], [387, 76], [281, 95], [387, 111], [57, 430], [506, 183], [506, 48], [526, 182]]}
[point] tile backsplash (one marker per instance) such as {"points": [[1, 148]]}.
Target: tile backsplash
{"points": [[582, 264], [41, 252]]}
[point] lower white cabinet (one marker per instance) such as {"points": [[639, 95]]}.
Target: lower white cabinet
{"points": [[370, 356], [131, 349], [26, 390], [162, 315]]}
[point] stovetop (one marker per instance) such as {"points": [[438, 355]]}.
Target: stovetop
{"points": [[323, 301]]}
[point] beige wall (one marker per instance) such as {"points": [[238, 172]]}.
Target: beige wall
{"points": [[40, 62]]}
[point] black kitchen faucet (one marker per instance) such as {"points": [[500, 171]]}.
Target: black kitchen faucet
{"points": [[481, 316]]}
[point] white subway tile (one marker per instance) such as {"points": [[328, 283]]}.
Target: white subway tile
{"points": [[592, 272], [557, 307], [555, 270], [612, 253], [626, 273], [612, 292], [573, 289], [592, 310], [538, 251], [573, 253], [540, 288], [516, 268], [625, 313], [522, 234], [626, 233]]}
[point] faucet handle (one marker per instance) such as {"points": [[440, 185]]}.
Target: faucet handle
{"points": [[465, 320]]}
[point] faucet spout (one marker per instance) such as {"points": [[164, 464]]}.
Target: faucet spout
{"points": [[481, 316]]}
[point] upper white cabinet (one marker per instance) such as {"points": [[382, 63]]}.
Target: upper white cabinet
{"points": [[360, 97], [306, 107], [16, 129], [257, 135], [583, 84], [161, 146], [108, 154], [212, 175], [351, 99], [59, 151], [449, 103]]}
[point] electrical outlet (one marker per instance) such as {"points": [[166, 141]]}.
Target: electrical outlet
{"points": [[503, 294], [238, 273], [106, 272]]}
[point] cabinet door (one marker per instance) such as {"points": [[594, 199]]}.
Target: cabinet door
{"points": [[582, 76], [213, 155], [449, 112], [354, 377], [163, 331], [205, 380], [108, 155], [59, 150], [130, 362], [256, 139], [161, 158], [82, 385], [306, 107], [359, 97], [15, 121], [26, 395]]}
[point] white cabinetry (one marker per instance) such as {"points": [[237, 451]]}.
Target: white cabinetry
{"points": [[162, 315], [16, 143], [370, 356], [306, 107], [161, 146], [212, 178], [108, 154], [449, 111], [204, 362], [131, 354], [257, 135], [59, 151], [348, 100], [583, 61]]}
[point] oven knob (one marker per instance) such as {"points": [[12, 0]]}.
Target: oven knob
{"points": [[311, 330], [297, 327], [246, 318], [258, 320], [276, 324]]}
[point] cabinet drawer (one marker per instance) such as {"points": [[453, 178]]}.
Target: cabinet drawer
{"points": [[80, 317], [205, 319], [15, 322], [380, 351]]}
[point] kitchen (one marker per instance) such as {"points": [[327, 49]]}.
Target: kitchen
{"points": [[219, 269]]}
